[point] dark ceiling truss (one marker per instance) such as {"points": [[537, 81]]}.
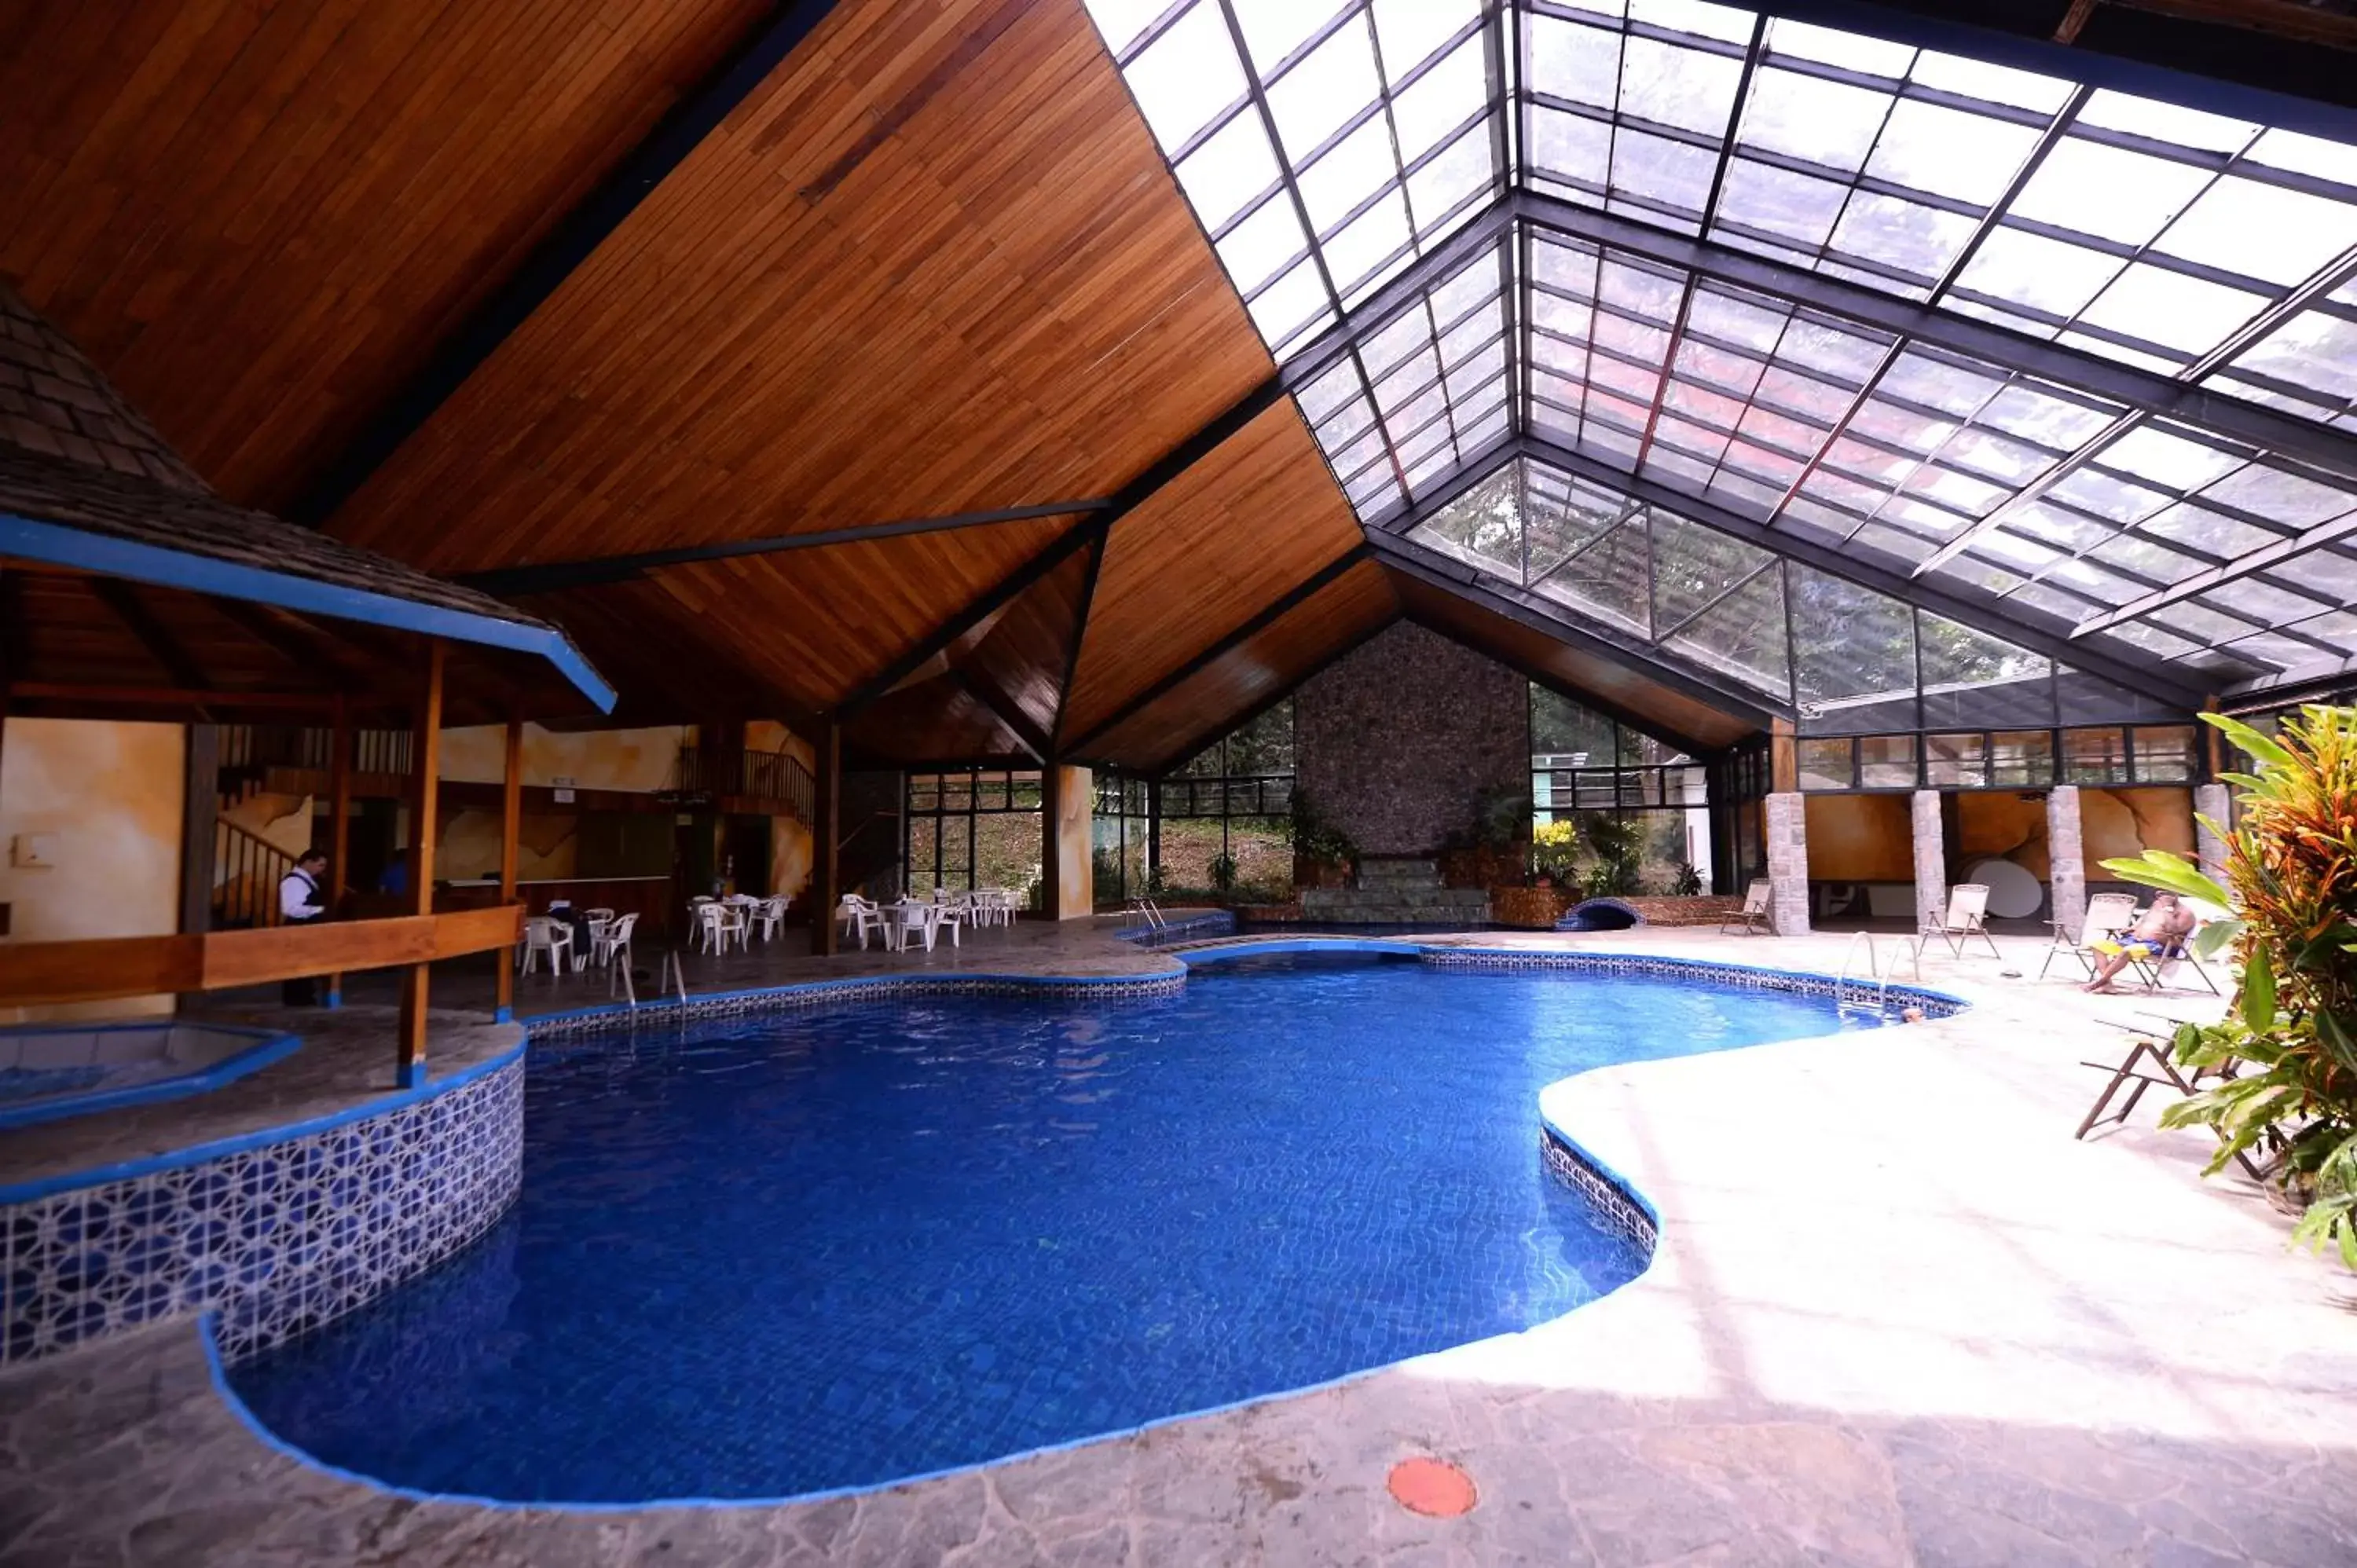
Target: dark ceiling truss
{"points": [[1177, 755], [975, 684], [600, 571], [566, 245], [1268, 616], [1073, 640]]}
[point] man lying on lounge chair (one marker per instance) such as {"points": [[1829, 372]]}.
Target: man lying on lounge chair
{"points": [[2156, 933]]}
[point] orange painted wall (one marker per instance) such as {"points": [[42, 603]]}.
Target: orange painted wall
{"points": [[1992, 822], [2116, 822], [1860, 838], [108, 797], [637, 759]]}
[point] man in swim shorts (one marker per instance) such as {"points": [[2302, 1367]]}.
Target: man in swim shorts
{"points": [[2157, 931]]}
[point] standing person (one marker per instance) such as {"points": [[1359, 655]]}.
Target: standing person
{"points": [[301, 900]]}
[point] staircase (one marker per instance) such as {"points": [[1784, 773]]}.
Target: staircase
{"points": [[1401, 892]]}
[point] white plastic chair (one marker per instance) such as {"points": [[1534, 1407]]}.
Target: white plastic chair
{"points": [[718, 925], [857, 917], [543, 935], [769, 915], [910, 917], [610, 942]]}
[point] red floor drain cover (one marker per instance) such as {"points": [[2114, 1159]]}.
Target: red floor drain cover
{"points": [[1433, 1486]]}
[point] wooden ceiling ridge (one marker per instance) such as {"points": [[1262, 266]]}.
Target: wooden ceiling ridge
{"points": [[568, 243], [1266, 616], [1205, 734]]}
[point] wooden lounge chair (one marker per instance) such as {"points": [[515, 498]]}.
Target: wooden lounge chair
{"points": [[2108, 914], [2149, 1050], [1966, 917], [1752, 919]]}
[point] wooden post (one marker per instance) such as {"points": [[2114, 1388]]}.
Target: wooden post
{"points": [[1051, 860], [511, 829], [1783, 758], [339, 824], [424, 787], [199, 826], [826, 837]]}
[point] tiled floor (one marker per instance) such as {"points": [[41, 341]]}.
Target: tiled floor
{"points": [[1897, 1315]]}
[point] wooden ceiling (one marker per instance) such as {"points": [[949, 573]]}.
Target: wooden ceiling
{"points": [[935, 264], [932, 263], [1245, 525], [259, 218], [1256, 671]]}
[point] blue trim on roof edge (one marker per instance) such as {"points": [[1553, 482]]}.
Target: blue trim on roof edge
{"points": [[63, 544]]}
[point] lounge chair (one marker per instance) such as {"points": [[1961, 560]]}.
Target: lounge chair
{"points": [[2147, 1049], [2108, 914], [1966, 917], [2154, 970], [1752, 918]]}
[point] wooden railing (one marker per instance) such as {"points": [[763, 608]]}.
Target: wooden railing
{"points": [[247, 869], [260, 747], [772, 777], [117, 967]]}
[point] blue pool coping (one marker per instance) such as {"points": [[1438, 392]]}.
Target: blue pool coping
{"points": [[1611, 1189], [278, 1133], [270, 1046]]}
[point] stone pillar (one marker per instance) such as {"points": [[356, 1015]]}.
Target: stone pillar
{"points": [[2211, 804], [1931, 861], [2066, 858], [1788, 864]]}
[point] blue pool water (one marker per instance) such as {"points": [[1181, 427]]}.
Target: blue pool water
{"points": [[776, 1255]]}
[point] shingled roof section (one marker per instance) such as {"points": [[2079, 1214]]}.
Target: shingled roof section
{"points": [[74, 453]]}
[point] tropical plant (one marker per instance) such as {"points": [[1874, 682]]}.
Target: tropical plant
{"points": [[1316, 840], [1556, 845], [1224, 872], [1618, 843], [2290, 1034], [1687, 881], [1501, 819]]}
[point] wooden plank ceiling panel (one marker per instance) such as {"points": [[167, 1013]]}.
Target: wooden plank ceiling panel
{"points": [[1254, 518], [1020, 654], [818, 624], [931, 722], [1575, 669], [1261, 668], [934, 264], [259, 219]]}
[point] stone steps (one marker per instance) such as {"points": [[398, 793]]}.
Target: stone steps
{"points": [[1396, 892]]}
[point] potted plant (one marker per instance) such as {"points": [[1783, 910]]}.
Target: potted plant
{"points": [[1323, 854], [2291, 1033], [1553, 846]]}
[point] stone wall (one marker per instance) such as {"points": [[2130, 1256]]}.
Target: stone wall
{"points": [[1396, 742]]}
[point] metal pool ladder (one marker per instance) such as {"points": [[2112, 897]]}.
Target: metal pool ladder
{"points": [[1852, 990]]}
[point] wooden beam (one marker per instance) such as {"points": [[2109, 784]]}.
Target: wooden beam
{"points": [[977, 686], [1269, 615], [300, 643], [339, 824], [425, 770], [826, 835], [2075, 18], [165, 697], [599, 571], [151, 634], [511, 831], [199, 826], [569, 242], [1783, 756], [1080, 634]]}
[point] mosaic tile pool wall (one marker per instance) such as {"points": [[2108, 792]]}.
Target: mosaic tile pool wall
{"points": [[277, 1238]]}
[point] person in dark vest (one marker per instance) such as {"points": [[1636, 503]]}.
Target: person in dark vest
{"points": [[302, 898]]}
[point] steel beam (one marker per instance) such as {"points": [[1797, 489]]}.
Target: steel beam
{"points": [[2329, 450], [1539, 614], [1268, 616], [1957, 603], [599, 571], [566, 245], [2266, 556]]}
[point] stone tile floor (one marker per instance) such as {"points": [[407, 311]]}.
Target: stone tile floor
{"points": [[1897, 1315]]}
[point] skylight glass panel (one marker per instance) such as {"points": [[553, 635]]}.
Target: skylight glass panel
{"points": [[1273, 29], [1232, 169], [1409, 32], [1183, 80]]}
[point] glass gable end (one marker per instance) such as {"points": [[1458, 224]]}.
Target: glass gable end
{"points": [[2159, 274]]}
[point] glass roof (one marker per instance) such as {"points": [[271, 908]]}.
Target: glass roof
{"points": [[1327, 147]]}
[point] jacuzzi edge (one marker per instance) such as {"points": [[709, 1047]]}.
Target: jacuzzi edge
{"points": [[270, 1044]]}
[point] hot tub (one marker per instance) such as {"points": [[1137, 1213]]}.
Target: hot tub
{"points": [[50, 1070]]}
